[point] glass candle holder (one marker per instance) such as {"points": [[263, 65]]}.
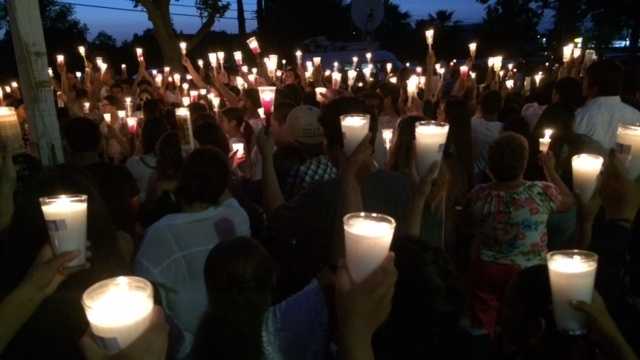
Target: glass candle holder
{"points": [[66, 219]]}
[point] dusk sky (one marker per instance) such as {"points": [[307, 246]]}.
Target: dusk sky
{"points": [[122, 24]]}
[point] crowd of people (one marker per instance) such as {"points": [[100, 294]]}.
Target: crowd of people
{"points": [[236, 217]]}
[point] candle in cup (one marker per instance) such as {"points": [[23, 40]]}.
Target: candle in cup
{"points": [[193, 95], [586, 168], [546, 140], [132, 125], [567, 51], [66, 218], [354, 128], [183, 47], [320, 94], [139, 54], [387, 135], [122, 116], [299, 57], [367, 239], [537, 78], [237, 56], [86, 107], [317, 61], [472, 49], [351, 77], [119, 310], [429, 35], [128, 105], [464, 71], [253, 45], [572, 275], [628, 145], [389, 67], [336, 80], [185, 130], [238, 147], [368, 56], [10, 131], [78, 75], [81, 50], [220, 55], [430, 139], [60, 59], [355, 61], [107, 118], [267, 98]]}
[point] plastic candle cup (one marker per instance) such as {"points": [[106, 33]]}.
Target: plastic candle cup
{"points": [[472, 49], [253, 45], [367, 239], [412, 88], [238, 147], [389, 66], [10, 131], [586, 168], [546, 140], [183, 47], [628, 145], [317, 61], [185, 131], [336, 80], [393, 80], [81, 50], [122, 115], [158, 80], [351, 77], [107, 118], [237, 56], [140, 54], [78, 75], [213, 59], [354, 128], [320, 94], [572, 274], [220, 55], [267, 98], [86, 107], [577, 52], [430, 139], [60, 59], [387, 135], [193, 95], [355, 61], [537, 78], [368, 56], [464, 71], [567, 51], [119, 310], [66, 219], [429, 35], [132, 125]]}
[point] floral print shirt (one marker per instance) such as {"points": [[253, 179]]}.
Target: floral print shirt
{"points": [[511, 226]]}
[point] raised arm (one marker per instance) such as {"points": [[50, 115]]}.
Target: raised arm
{"points": [[567, 200]]}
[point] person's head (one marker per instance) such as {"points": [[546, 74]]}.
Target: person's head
{"points": [[374, 101], [110, 104], [557, 117], [169, 156], [490, 104], [153, 108], [234, 125], [209, 133], [603, 78], [290, 93], [82, 135], [251, 99], [568, 92], [303, 126], [390, 94], [402, 151], [279, 122], [291, 77], [330, 119], [458, 115], [204, 178], [154, 128], [196, 109], [239, 277], [508, 156], [117, 90]]}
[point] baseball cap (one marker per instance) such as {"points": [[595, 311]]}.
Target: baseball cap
{"points": [[303, 125]]}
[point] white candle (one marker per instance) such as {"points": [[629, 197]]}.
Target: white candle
{"points": [[546, 140], [367, 239], [355, 61], [60, 59], [628, 145], [567, 51], [389, 67], [572, 274], [253, 45], [140, 54], [431, 137], [10, 131], [351, 77], [66, 218], [238, 147], [183, 47], [586, 168], [336, 80], [412, 88], [299, 56], [237, 56], [354, 128], [429, 35], [185, 131], [368, 56], [538, 77], [267, 98], [472, 49], [577, 52], [119, 310], [387, 135], [86, 107], [176, 79], [317, 61], [320, 94]]}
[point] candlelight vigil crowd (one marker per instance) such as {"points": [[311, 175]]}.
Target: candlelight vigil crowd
{"points": [[255, 206]]}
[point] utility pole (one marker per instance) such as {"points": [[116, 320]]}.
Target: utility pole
{"points": [[242, 25]]}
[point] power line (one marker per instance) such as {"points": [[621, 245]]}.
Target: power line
{"points": [[138, 11]]}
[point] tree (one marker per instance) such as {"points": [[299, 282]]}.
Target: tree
{"points": [[442, 18], [242, 25], [159, 14]]}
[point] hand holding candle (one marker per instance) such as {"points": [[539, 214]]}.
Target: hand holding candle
{"points": [[367, 240]]}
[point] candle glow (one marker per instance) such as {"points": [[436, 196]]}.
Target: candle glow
{"points": [[354, 128], [367, 240], [66, 218], [586, 168]]}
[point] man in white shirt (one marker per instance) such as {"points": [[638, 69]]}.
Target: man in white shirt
{"points": [[174, 250], [484, 130], [600, 116]]}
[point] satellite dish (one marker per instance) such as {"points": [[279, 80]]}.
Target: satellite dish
{"points": [[367, 14]]}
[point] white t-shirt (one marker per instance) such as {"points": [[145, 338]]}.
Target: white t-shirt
{"points": [[142, 167], [172, 256], [599, 118], [483, 134]]}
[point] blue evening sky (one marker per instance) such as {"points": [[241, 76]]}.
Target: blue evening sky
{"points": [[122, 24]]}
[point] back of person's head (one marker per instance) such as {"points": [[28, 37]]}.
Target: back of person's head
{"points": [[209, 133], [374, 101], [458, 114], [508, 156], [402, 150], [239, 277], [82, 135], [252, 96], [114, 101], [152, 131], [605, 77], [236, 117], [197, 108], [330, 118], [390, 92], [568, 91], [558, 117], [291, 93], [281, 111], [490, 103], [169, 156], [205, 176], [153, 108]]}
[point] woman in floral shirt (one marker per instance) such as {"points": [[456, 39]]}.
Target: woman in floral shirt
{"points": [[510, 223]]}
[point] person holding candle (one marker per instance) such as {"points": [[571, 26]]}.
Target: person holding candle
{"points": [[485, 128], [142, 167], [238, 130], [173, 252], [509, 223]]}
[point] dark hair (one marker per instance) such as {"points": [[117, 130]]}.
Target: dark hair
{"points": [[557, 117], [209, 133], [204, 178], [281, 111], [508, 156], [402, 150], [169, 156], [197, 108], [114, 101], [389, 90], [236, 116], [458, 115], [152, 131], [82, 135], [490, 103], [569, 92], [239, 276], [153, 108], [291, 93], [253, 97], [330, 118], [606, 76]]}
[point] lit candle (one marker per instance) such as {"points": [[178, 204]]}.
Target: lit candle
{"points": [[220, 55], [183, 47], [351, 77], [367, 73], [335, 66], [387, 135], [393, 80], [509, 84], [78, 75], [238, 147], [628, 145], [510, 66], [237, 56], [202, 92], [10, 131], [327, 73], [123, 67], [464, 71], [154, 72], [429, 35], [176, 79], [107, 118], [389, 68], [430, 139], [49, 71], [336, 80], [128, 105], [586, 168], [193, 95], [60, 59], [368, 56], [538, 77], [317, 61], [140, 54], [158, 80], [267, 98], [261, 113], [186, 101], [215, 101], [567, 50], [354, 128], [577, 52], [167, 70], [412, 88], [132, 125], [122, 115], [185, 131], [66, 218], [497, 63], [320, 94], [299, 57], [572, 275], [578, 42], [355, 61], [213, 59], [81, 50], [86, 107], [419, 70], [253, 45], [472, 49], [546, 140], [367, 239], [244, 69], [119, 310], [473, 75]]}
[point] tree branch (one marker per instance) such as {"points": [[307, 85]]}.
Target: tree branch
{"points": [[202, 32]]}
